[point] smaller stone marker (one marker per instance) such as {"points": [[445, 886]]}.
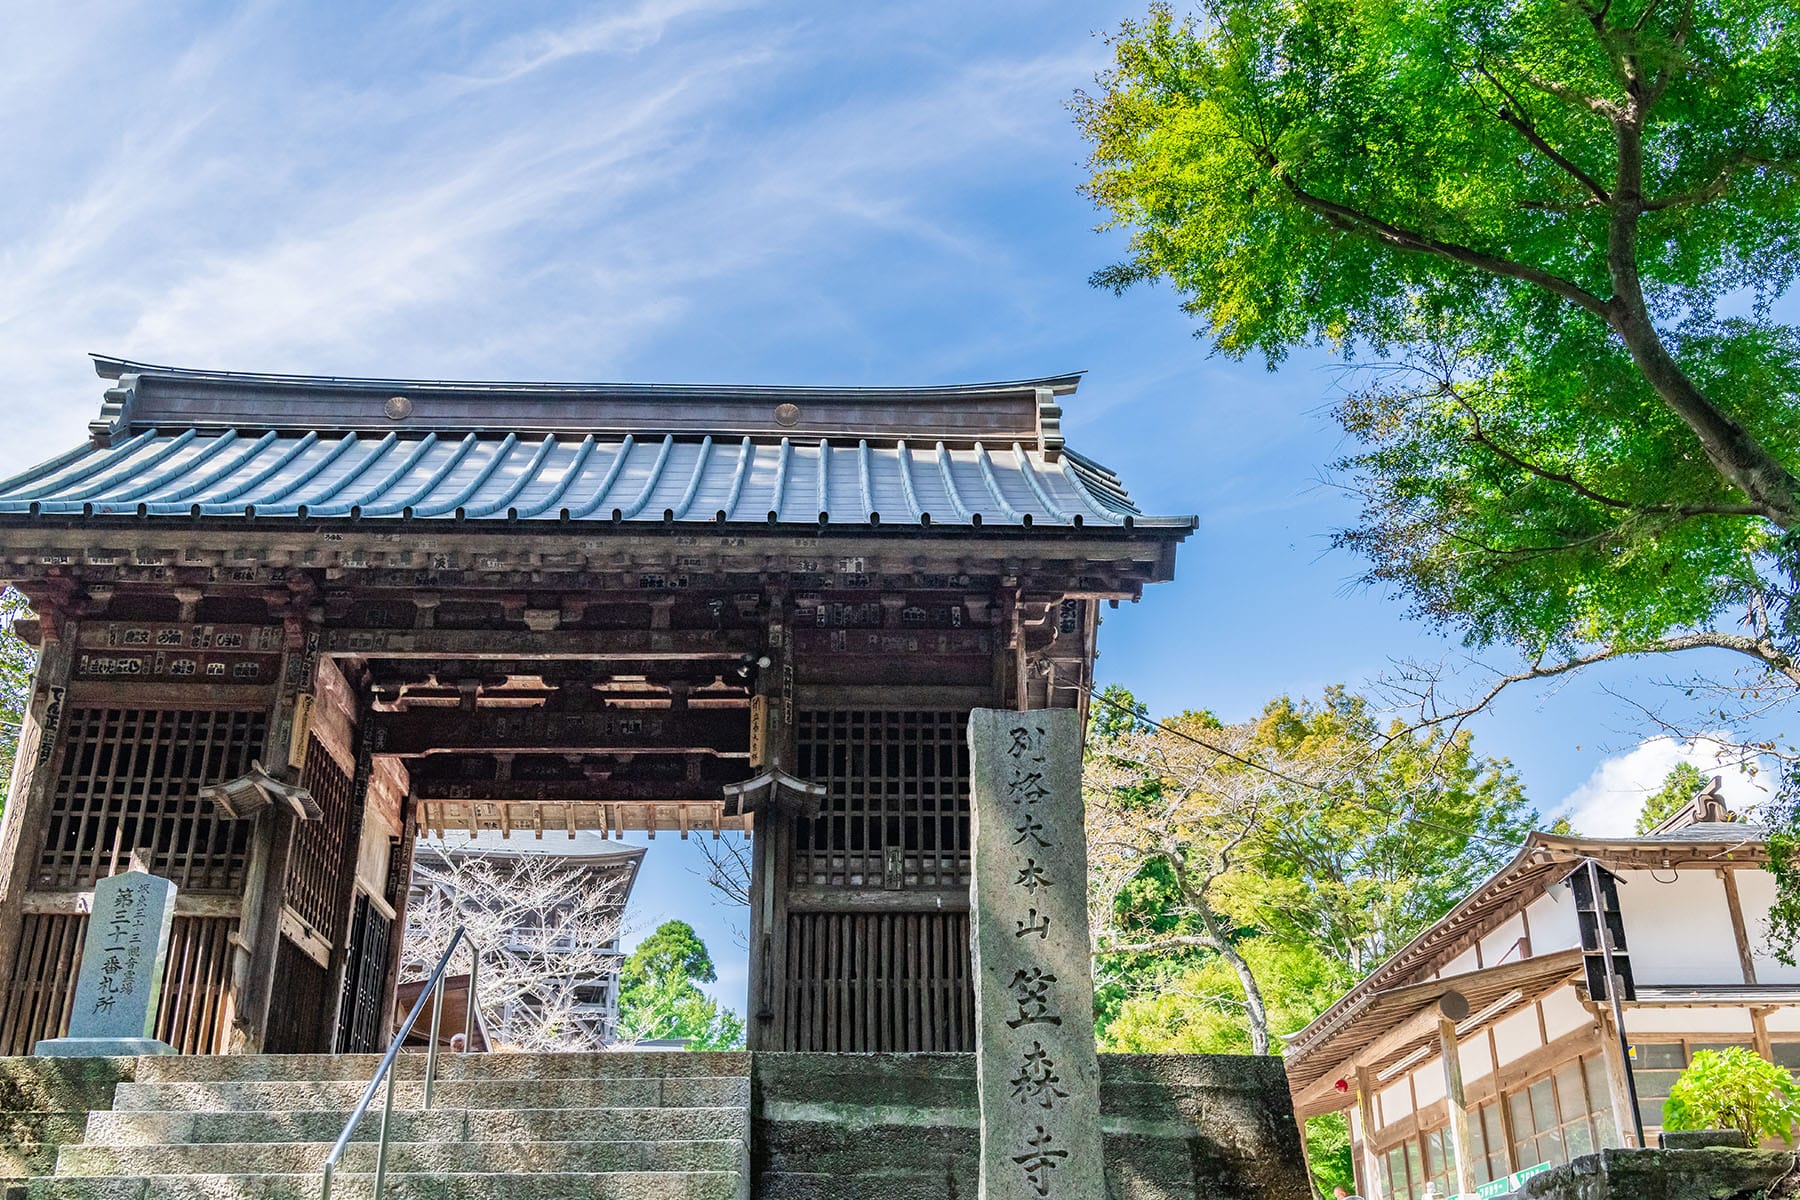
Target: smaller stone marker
{"points": [[121, 975], [1037, 1074]]}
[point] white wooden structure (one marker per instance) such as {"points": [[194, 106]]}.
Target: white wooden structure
{"points": [[1537, 1075]]}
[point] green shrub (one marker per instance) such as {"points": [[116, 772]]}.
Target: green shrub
{"points": [[1735, 1089]]}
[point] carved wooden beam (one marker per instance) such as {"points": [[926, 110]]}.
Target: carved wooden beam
{"points": [[621, 730], [551, 644]]}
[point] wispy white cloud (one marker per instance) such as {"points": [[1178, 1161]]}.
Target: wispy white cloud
{"points": [[609, 31], [1608, 803], [448, 193]]}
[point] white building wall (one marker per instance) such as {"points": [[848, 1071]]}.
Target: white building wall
{"points": [[1643, 1019], [1564, 1013], [1396, 1101], [1501, 944], [1428, 1082], [1678, 927], [1477, 1058], [1517, 1035], [1461, 964], [1756, 892], [1552, 918]]}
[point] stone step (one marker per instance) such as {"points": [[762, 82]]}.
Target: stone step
{"points": [[21, 1160], [814, 1185], [411, 1125], [682, 1185], [279, 1158], [611, 1064], [687, 1091]]}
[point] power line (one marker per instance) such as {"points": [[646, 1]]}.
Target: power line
{"points": [[1286, 778]]}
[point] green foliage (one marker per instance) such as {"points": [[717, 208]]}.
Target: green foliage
{"points": [[1199, 1008], [1329, 1152], [1567, 441], [658, 996], [1407, 823], [1680, 785], [1285, 856], [17, 662], [1735, 1088], [1552, 232]]}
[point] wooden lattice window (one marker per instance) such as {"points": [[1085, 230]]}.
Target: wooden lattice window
{"points": [[317, 860], [40, 996], [360, 1009], [871, 982], [896, 809], [130, 779]]}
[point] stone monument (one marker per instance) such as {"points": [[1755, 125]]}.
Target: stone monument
{"points": [[120, 981], [1037, 1074]]}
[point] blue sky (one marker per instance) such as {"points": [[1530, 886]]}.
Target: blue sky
{"points": [[681, 190]]}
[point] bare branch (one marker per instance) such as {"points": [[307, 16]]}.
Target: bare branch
{"points": [[1760, 649], [548, 935]]}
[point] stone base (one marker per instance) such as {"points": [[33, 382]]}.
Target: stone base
{"points": [[124, 1047]]}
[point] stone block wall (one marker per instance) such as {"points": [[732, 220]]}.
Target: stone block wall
{"points": [[907, 1127], [44, 1103], [1716, 1174]]}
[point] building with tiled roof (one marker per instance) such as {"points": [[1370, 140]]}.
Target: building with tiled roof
{"points": [[1486, 1049]]}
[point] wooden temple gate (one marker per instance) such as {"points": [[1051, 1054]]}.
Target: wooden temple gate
{"points": [[287, 625]]}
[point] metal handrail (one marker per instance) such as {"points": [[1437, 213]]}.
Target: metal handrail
{"points": [[433, 991]]}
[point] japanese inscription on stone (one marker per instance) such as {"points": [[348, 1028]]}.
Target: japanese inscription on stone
{"points": [[120, 982], [1034, 994]]}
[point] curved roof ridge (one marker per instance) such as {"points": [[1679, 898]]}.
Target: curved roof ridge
{"points": [[111, 367]]}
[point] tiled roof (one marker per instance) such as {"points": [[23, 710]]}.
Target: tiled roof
{"points": [[178, 443], [367, 475]]}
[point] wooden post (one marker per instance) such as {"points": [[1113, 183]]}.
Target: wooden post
{"points": [[1759, 1031], [1739, 929], [1623, 1117], [1365, 1111], [342, 976], [258, 938], [28, 802], [772, 841], [1457, 1102], [401, 887]]}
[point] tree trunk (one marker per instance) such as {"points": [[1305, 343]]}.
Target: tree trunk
{"points": [[1253, 998], [1735, 453]]}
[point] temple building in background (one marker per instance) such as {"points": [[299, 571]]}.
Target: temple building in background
{"points": [[1486, 1048], [561, 922]]}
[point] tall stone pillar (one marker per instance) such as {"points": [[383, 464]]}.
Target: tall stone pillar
{"points": [[1038, 1076]]}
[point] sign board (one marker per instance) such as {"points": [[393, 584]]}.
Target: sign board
{"points": [[759, 730], [1503, 1187], [120, 980]]}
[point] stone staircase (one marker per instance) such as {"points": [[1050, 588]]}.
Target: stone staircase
{"points": [[612, 1126]]}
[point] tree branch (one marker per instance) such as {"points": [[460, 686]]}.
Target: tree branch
{"points": [[1530, 133], [1353, 220], [1682, 511], [1568, 95], [1479, 436], [1762, 650], [1716, 187], [1181, 941]]}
